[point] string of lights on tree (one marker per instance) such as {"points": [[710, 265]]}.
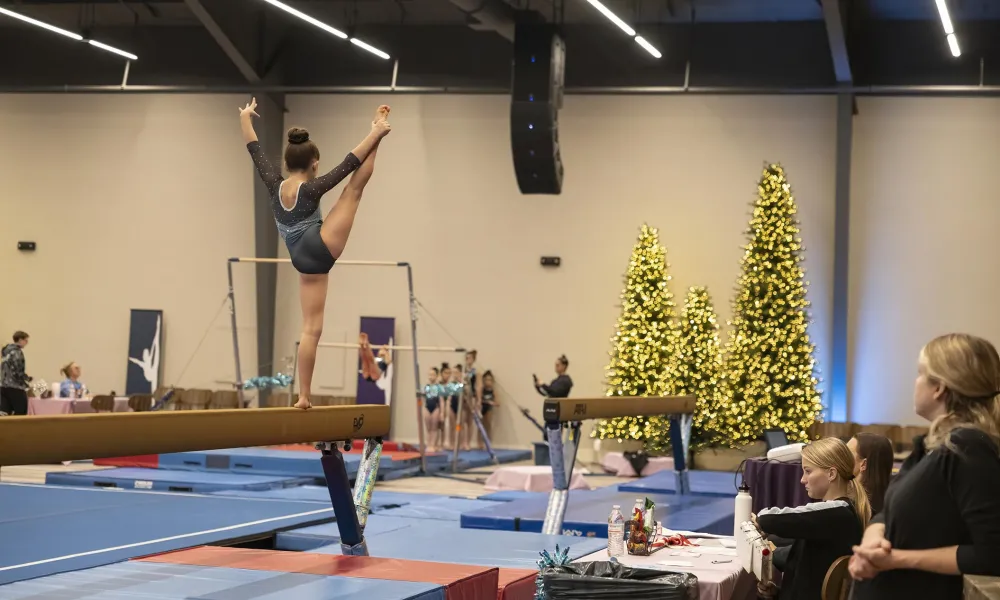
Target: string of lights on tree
{"points": [[645, 337], [769, 379], [697, 369]]}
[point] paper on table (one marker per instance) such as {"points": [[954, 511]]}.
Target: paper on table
{"points": [[728, 543], [676, 563], [717, 550]]}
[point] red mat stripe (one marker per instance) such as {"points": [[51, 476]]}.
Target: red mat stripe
{"points": [[516, 584], [148, 461], [461, 582]]}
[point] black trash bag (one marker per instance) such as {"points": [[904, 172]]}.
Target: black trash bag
{"points": [[606, 580], [638, 461]]}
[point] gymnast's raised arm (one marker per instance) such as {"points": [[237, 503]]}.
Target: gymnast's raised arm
{"points": [[357, 157], [268, 173]]}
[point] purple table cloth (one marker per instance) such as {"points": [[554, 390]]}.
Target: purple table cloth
{"points": [[774, 484]]}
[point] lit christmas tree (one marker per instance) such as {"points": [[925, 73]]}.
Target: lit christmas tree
{"points": [[769, 379], [644, 340]]}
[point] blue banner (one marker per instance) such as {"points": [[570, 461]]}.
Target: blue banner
{"points": [[145, 347], [380, 332]]}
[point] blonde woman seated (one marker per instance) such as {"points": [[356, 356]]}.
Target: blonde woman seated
{"points": [[821, 532], [72, 387], [941, 518]]}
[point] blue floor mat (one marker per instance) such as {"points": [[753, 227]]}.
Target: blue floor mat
{"points": [[60, 529], [264, 461], [307, 539], [703, 483], [471, 459], [170, 481], [511, 495], [440, 508], [153, 581], [381, 499], [587, 513], [428, 540]]}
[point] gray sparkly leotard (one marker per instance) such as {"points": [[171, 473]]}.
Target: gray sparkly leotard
{"points": [[300, 225]]}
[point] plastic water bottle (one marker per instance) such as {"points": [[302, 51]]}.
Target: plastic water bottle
{"points": [[616, 532]]}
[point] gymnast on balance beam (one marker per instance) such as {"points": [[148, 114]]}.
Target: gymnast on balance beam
{"points": [[314, 245]]}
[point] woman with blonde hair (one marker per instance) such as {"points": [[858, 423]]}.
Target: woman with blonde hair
{"points": [[820, 532], [72, 387], [941, 518]]}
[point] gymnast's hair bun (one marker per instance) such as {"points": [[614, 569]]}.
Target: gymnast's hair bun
{"points": [[297, 135]]}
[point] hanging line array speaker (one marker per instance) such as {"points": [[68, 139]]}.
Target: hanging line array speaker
{"points": [[537, 94]]}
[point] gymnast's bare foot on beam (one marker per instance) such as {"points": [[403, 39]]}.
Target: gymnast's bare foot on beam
{"points": [[303, 403]]}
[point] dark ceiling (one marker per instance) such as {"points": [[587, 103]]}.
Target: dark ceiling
{"points": [[734, 44]]}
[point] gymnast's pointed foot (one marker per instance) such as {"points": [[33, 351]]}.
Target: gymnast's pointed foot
{"points": [[382, 112], [303, 403]]}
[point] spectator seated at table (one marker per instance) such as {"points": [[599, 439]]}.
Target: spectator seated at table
{"points": [[72, 387], [821, 532]]}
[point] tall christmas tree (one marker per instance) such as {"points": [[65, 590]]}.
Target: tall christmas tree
{"points": [[769, 379], [644, 340]]}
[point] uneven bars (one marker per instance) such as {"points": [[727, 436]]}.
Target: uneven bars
{"points": [[356, 263], [51, 439], [410, 348]]}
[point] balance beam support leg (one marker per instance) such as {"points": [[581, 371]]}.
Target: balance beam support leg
{"points": [[679, 444], [364, 483], [352, 540], [563, 457]]}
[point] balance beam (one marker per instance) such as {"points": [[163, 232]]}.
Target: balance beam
{"points": [[568, 410], [567, 413], [41, 440]]}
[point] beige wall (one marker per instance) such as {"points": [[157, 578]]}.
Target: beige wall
{"points": [[923, 239], [444, 198], [135, 202]]}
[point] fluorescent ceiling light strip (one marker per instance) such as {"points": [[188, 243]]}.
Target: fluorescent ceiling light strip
{"points": [[647, 46], [52, 28], [953, 44], [369, 48], [127, 55], [612, 17], [945, 17], [69, 34], [307, 18]]}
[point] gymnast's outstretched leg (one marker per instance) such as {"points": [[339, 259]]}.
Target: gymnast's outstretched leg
{"points": [[337, 226]]}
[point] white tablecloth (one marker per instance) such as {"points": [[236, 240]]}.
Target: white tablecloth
{"points": [[723, 579], [531, 479], [65, 406], [616, 463]]}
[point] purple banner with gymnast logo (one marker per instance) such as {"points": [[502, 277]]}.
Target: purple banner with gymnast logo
{"points": [[381, 331]]}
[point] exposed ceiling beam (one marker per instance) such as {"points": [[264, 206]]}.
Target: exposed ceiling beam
{"points": [[838, 42], [223, 40], [490, 15]]}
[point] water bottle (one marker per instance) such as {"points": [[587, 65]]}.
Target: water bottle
{"points": [[616, 532], [743, 507]]}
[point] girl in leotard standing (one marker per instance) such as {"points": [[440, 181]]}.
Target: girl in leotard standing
{"points": [[314, 245], [432, 410], [489, 402]]}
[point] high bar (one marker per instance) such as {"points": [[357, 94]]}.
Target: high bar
{"points": [[355, 263], [409, 348]]}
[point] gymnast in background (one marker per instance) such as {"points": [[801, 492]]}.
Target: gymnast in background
{"points": [[314, 245], [433, 410], [489, 402]]}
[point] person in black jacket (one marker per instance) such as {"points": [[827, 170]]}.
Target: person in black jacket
{"points": [[560, 386], [820, 532], [13, 380], [942, 511]]}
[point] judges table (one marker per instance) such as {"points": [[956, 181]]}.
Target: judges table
{"points": [[65, 406], [720, 576]]}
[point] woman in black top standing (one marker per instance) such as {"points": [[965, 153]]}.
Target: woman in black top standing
{"points": [[488, 404], [560, 386], [820, 532], [942, 511]]}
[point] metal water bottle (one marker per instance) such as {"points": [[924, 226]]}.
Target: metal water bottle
{"points": [[744, 506]]}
